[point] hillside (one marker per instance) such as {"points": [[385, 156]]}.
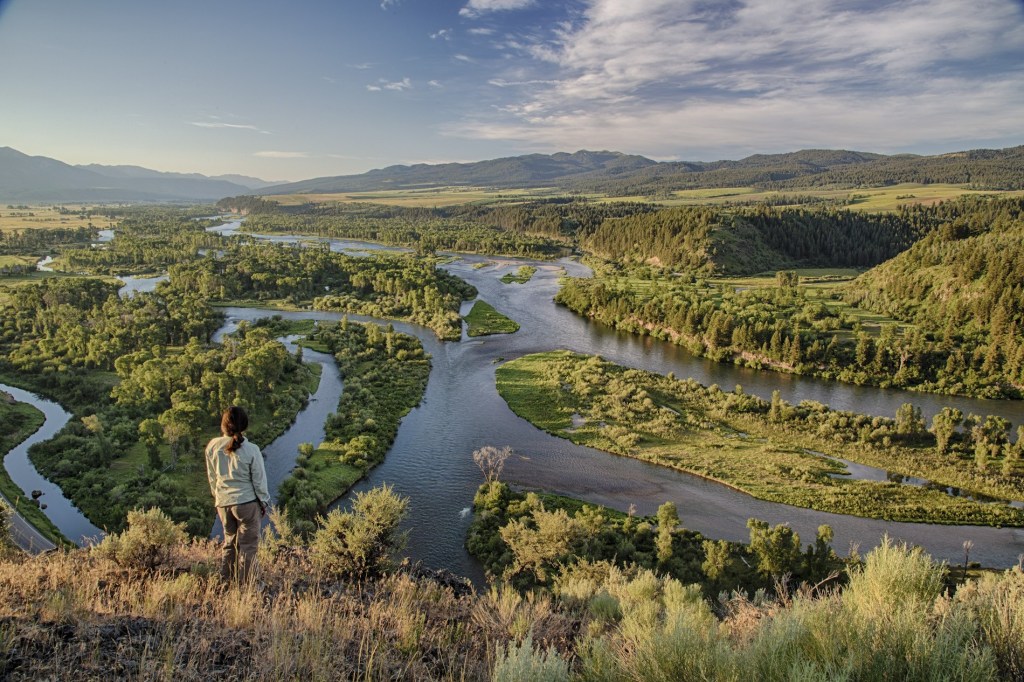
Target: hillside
{"points": [[964, 280], [746, 241], [105, 619], [624, 175], [25, 178], [514, 171]]}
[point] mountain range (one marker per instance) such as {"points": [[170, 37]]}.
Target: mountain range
{"points": [[615, 173], [26, 178]]}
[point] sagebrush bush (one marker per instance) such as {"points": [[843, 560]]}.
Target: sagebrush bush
{"points": [[146, 543], [7, 546], [360, 543], [521, 662]]}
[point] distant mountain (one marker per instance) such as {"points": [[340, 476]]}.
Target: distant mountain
{"points": [[621, 174], [531, 170], [25, 178], [809, 168]]}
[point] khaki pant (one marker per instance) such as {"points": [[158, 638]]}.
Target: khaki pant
{"points": [[241, 538]]}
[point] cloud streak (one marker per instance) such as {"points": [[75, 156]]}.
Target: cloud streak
{"points": [[228, 126], [281, 155], [476, 8], [394, 86]]}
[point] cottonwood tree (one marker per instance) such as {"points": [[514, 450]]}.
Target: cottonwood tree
{"points": [[491, 461]]}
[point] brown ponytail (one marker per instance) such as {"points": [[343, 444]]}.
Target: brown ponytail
{"points": [[233, 423]]}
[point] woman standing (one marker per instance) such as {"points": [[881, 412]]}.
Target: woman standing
{"points": [[238, 482]]}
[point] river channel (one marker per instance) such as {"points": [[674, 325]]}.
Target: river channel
{"points": [[431, 463]]}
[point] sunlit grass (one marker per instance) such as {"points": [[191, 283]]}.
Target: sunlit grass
{"points": [[483, 320], [422, 197], [49, 217]]}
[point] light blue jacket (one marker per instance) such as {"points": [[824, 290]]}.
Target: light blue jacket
{"points": [[236, 477]]}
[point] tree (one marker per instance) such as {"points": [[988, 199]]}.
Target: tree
{"points": [[541, 542], [668, 520], [151, 433], [717, 559], [787, 279], [491, 461], [909, 422], [775, 411], [776, 549], [944, 426]]}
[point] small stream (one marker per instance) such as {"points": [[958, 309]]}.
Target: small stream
{"points": [[64, 514], [862, 472]]}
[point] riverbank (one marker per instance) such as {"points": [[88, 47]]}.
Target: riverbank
{"points": [[385, 375], [20, 421], [721, 437], [99, 459]]}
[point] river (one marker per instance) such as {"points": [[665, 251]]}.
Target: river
{"points": [[65, 515], [431, 463]]}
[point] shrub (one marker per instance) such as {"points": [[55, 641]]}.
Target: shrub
{"points": [[7, 546], [146, 543], [522, 662], [359, 543]]}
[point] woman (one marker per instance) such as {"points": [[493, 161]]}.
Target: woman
{"points": [[238, 483]]}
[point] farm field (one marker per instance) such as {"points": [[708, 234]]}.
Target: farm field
{"points": [[24, 217]]}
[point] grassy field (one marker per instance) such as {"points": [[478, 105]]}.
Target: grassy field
{"points": [[24, 261], [640, 414], [484, 320], [35, 217], [425, 197], [20, 421], [874, 199]]}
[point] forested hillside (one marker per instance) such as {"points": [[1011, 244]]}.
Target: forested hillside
{"points": [[963, 282], [745, 241], [618, 174]]}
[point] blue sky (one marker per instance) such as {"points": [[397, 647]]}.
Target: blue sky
{"points": [[287, 91]]}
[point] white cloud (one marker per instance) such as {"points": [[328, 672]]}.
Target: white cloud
{"points": [[481, 31], [388, 4], [281, 155], [443, 34], [398, 86], [475, 8], [435, 84], [464, 58], [395, 86], [694, 74]]}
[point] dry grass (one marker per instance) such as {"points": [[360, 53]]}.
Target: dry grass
{"points": [[423, 197], [73, 611], [36, 217], [72, 615]]}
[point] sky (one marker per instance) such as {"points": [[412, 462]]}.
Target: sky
{"points": [[288, 91]]}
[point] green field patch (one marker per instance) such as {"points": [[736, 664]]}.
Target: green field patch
{"points": [[484, 320]]}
